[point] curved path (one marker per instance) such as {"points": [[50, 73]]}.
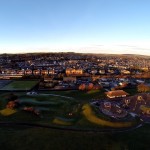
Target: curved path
{"points": [[58, 96]]}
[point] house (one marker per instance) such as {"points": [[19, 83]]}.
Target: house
{"points": [[47, 79], [117, 93], [125, 72], [102, 71], [69, 79], [44, 72], [70, 71]]}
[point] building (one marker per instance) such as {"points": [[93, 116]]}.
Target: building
{"points": [[69, 79], [70, 71], [117, 93]]}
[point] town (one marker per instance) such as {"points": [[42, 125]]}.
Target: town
{"points": [[69, 70], [75, 91], [114, 75]]}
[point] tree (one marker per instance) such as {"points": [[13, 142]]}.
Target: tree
{"points": [[143, 88], [90, 86], [82, 87], [11, 97]]}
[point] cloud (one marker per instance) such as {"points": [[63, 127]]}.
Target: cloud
{"points": [[113, 48], [127, 46]]}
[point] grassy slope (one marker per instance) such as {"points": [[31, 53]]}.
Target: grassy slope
{"points": [[81, 95], [39, 138], [92, 117]]}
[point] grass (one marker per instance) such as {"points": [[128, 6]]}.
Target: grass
{"points": [[21, 138], [53, 108], [34, 102], [63, 121], [131, 91], [91, 116], [20, 85], [144, 108], [7, 112], [49, 107], [82, 96]]}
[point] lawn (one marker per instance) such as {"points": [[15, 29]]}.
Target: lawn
{"points": [[82, 96], [7, 112], [93, 118], [63, 121], [131, 91], [56, 114], [56, 110], [22, 138], [50, 107], [20, 85]]}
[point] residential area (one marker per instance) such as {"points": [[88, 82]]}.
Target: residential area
{"points": [[64, 71], [105, 82]]}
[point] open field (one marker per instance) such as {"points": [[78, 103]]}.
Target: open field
{"points": [[53, 108], [82, 96], [19, 85], [55, 112], [92, 117], [22, 138]]}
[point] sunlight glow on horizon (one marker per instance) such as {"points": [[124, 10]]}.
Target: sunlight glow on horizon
{"points": [[133, 47]]}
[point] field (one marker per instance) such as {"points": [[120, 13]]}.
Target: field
{"points": [[4, 83], [55, 108], [92, 117], [19, 85], [65, 110], [19, 138]]}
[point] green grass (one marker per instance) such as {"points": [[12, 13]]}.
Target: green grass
{"points": [[49, 106], [21, 116], [63, 121], [93, 118], [131, 91], [7, 112], [82, 96], [52, 107], [22, 138], [20, 85]]}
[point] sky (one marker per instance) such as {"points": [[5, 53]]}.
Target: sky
{"points": [[88, 26]]}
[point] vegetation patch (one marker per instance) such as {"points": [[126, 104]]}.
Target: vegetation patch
{"points": [[63, 121], [7, 112], [20, 85], [145, 108], [38, 103], [91, 116], [93, 91]]}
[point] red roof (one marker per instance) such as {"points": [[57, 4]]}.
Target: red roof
{"points": [[117, 93]]}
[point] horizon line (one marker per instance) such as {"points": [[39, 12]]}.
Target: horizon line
{"points": [[36, 52]]}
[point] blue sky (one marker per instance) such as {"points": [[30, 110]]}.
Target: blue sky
{"points": [[100, 26]]}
